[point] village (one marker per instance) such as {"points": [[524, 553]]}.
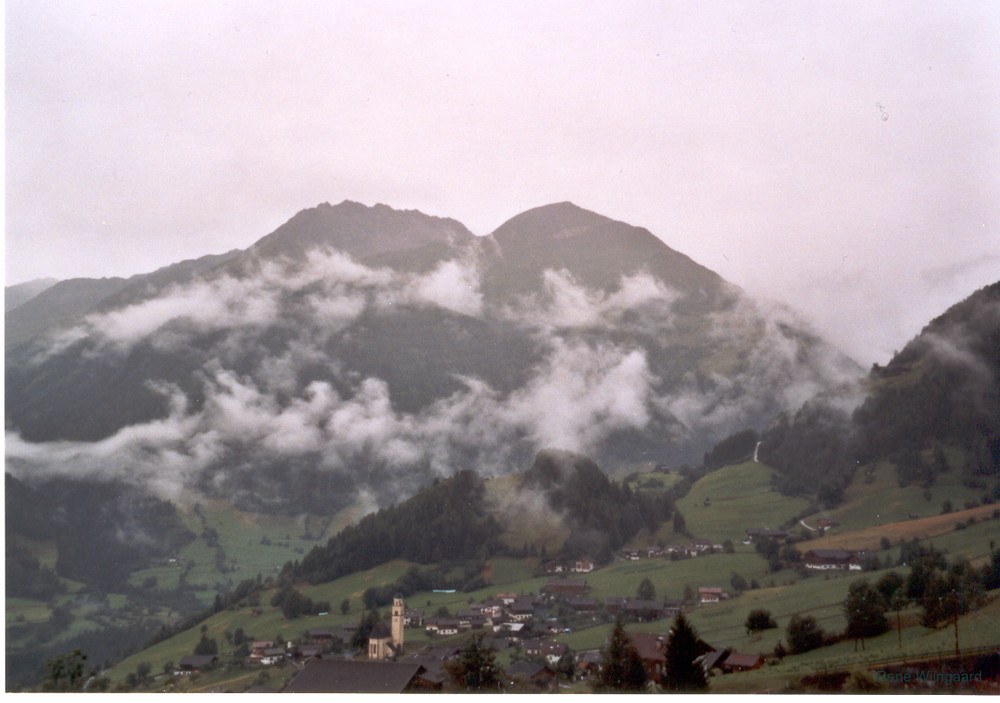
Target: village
{"points": [[375, 656]]}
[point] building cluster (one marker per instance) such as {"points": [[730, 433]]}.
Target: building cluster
{"points": [[696, 548]]}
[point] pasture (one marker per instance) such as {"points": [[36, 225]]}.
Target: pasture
{"points": [[724, 503]]}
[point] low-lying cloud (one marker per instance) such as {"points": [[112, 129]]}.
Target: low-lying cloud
{"points": [[588, 386]]}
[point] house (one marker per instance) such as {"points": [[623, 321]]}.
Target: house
{"points": [[512, 628], [521, 611], [347, 633], [831, 559], [708, 594], [583, 566], [553, 567], [567, 587], [265, 650], [532, 647], [826, 523], [320, 635], [644, 609], [549, 650], [588, 663], [528, 672], [344, 676], [630, 554], [735, 661], [470, 619], [307, 651], [413, 618], [506, 598], [194, 664], [553, 651], [442, 626], [652, 650], [615, 605], [493, 609], [271, 656], [712, 660], [583, 605]]}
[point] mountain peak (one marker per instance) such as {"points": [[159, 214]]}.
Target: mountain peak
{"points": [[359, 230], [597, 250], [555, 221]]}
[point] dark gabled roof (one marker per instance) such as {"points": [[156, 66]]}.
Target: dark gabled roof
{"points": [[735, 659], [439, 653], [637, 604], [335, 676], [713, 658], [650, 646], [196, 661], [527, 670]]}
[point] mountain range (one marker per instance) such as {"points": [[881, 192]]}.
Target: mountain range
{"points": [[356, 352]]}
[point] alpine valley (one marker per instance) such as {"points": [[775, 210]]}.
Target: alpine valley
{"points": [[370, 400]]}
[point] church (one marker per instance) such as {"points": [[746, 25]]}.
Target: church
{"points": [[386, 642]]}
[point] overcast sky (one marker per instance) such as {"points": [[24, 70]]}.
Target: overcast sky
{"points": [[842, 157]]}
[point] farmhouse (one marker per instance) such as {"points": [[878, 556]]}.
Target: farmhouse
{"points": [[583, 566], [320, 635], [194, 664], [271, 656], [536, 674], [742, 662], [521, 611], [707, 594], [652, 650], [442, 626], [830, 559], [728, 661], [583, 605], [550, 650], [614, 605]]}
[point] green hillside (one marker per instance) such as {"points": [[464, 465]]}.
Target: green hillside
{"points": [[723, 504]]}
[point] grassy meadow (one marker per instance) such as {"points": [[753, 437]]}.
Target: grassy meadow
{"points": [[723, 504]]}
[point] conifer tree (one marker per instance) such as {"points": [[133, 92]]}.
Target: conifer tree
{"points": [[621, 667], [477, 669], [682, 672]]}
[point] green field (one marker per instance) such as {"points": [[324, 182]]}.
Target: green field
{"points": [[875, 497], [740, 496], [975, 629]]}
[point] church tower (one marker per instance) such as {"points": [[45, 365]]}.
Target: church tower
{"points": [[397, 622]]}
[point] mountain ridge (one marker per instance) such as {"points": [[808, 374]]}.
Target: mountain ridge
{"points": [[340, 345]]}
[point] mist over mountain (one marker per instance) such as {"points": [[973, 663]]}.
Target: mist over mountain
{"points": [[357, 351], [933, 409]]}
